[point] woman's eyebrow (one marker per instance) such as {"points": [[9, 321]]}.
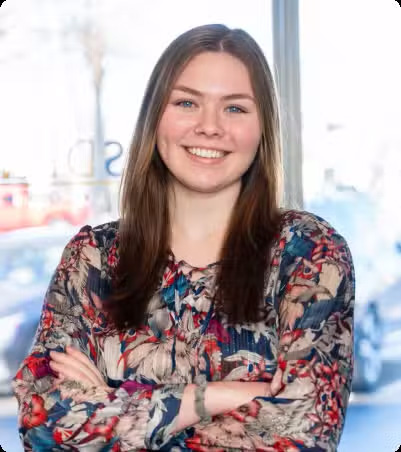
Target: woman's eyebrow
{"points": [[195, 92]]}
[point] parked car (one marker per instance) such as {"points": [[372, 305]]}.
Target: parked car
{"points": [[377, 262], [28, 258]]}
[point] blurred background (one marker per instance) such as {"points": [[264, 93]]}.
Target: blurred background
{"points": [[72, 76]]}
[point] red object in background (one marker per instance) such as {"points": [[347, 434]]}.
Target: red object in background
{"points": [[16, 210]]}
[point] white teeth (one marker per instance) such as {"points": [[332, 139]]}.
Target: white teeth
{"points": [[208, 153]]}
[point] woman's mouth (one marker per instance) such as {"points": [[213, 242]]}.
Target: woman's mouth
{"points": [[206, 153]]}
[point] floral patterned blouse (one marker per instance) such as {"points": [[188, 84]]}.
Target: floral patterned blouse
{"points": [[305, 347]]}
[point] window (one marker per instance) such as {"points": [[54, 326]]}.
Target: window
{"points": [[351, 114], [71, 78]]}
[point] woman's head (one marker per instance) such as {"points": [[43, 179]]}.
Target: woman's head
{"points": [[210, 130], [215, 62], [159, 125]]}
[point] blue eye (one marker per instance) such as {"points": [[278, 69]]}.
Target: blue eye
{"points": [[185, 103], [235, 109]]}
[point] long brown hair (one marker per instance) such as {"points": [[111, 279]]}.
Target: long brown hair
{"points": [[144, 228]]}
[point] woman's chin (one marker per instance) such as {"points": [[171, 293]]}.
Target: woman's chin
{"points": [[205, 187]]}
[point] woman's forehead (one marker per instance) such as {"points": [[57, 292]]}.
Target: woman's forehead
{"points": [[215, 73]]}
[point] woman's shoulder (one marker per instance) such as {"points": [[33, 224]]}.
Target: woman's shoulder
{"points": [[106, 234], [302, 230], [99, 236], [93, 243], [294, 219]]}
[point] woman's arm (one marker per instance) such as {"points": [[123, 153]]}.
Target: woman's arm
{"points": [[220, 397], [314, 302], [315, 305], [73, 412]]}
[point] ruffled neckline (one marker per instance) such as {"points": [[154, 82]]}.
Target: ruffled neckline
{"points": [[182, 263]]}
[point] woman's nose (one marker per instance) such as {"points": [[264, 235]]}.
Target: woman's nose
{"points": [[209, 123]]}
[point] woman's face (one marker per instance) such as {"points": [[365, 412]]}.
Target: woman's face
{"points": [[210, 130]]}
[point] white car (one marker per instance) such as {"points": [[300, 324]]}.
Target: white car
{"points": [[377, 262]]}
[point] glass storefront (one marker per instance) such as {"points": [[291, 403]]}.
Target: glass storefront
{"points": [[72, 76]]}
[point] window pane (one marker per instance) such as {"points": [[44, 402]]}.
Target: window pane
{"points": [[351, 107], [53, 54], [51, 63]]}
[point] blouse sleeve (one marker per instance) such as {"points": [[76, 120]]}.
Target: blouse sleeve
{"points": [[132, 417], [315, 305]]}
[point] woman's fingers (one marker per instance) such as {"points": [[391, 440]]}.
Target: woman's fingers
{"points": [[69, 365], [75, 365], [70, 372], [82, 358]]}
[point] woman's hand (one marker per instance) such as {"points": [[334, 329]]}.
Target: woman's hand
{"points": [[75, 365]]}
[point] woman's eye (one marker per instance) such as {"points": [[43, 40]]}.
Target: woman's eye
{"points": [[185, 103], [235, 109]]}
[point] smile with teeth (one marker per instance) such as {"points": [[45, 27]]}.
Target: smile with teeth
{"points": [[206, 153]]}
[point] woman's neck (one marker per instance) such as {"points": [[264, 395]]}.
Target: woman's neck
{"points": [[199, 222], [201, 215]]}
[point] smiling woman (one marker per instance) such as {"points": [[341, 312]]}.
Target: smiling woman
{"points": [[210, 131], [206, 318]]}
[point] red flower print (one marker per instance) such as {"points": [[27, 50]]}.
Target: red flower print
{"points": [[211, 346], [286, 445], [104, 430], [47, 319], [194, 443], [290, 337], [217, 329], [327, 393], [112, 258], [116, 447], [276, 257], [39, 367], [60, 435], [302, 368], [327, 248], [33, 414], [169, 274], [251, 409]]}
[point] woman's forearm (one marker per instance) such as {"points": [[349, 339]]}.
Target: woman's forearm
{"points": [[220, 397]]}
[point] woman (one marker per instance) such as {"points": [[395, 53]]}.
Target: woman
{"points": [[203, 278]]}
